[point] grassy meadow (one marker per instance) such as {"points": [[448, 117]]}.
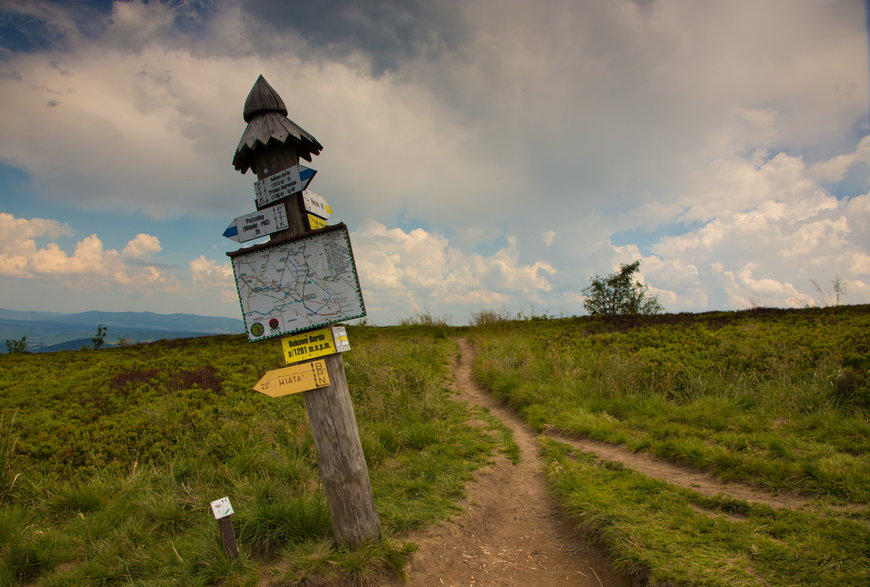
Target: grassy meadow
{"points": [[773, 398], [109, 459]]}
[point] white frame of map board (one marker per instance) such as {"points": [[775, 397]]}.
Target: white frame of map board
{"points": [[260, 305]]}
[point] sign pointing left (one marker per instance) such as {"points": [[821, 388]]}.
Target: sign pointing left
{"points": [[295, 379], [257, 224]]}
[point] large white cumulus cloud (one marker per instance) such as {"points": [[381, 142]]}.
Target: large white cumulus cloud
{"points": [[768, 231], [418, 271], [728, 141], [90, 266]]}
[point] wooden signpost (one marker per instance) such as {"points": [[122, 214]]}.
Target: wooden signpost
{"points": [[272, 146]]}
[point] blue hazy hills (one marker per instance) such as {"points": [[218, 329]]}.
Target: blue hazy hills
{"points": [[55, 331]]}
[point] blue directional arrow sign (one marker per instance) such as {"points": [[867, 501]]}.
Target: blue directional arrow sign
{"points": [[257, 224], [282, 184]]}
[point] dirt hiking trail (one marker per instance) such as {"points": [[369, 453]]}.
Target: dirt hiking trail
{"points": [[511, 532]]}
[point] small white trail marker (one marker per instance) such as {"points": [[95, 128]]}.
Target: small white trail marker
{"points": [[222, 510]]}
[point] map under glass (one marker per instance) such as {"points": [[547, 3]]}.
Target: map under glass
{"points": [[297, 285]]}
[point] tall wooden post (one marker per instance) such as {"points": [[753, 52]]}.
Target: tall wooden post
{"points": [[273, 143]]}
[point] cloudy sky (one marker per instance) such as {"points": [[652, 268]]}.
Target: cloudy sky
{"points": [[486, 154]]}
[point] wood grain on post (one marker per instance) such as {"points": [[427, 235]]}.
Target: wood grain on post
{"points": [[229, 537], [272, 143], [341, 460]]}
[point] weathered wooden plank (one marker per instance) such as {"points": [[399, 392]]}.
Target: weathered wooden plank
{"points": [[341, 460]]}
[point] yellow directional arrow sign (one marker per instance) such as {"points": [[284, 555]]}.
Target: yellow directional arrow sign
{"points": [[295, 379]]}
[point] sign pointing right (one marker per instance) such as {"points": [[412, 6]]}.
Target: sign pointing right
{"points": [[282, 184]]}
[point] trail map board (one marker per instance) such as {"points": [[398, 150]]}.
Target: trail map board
{"points": [[298, 284]]}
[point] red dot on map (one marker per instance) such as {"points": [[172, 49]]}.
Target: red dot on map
{"points": [[273, 323]]}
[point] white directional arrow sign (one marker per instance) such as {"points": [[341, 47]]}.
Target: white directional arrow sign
{"points": [[257, 224], [316, 204], [282, 184]]}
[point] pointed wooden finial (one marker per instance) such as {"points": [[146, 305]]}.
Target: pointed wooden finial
{"points": [[263, 98], [268, 126]]}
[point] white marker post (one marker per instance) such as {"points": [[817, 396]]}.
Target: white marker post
{"points": [[222, 510]]}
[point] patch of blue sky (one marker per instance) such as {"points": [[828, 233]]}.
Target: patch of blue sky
{"points": [[490, 247], [13, 182], [856, 182], [408, 223], [485, 248], [644, 238], [187, 236]]}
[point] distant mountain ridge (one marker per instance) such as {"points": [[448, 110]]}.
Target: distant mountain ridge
{"points": [[48, 331]]}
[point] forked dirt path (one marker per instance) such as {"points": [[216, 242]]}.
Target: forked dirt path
{"points": [[512, 532], [650, 465]]}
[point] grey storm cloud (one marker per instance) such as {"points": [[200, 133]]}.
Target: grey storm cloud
{"points": [[34, 25], [387, 32]]}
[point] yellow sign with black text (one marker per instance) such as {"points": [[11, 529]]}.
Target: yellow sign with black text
{"points": [[308, 345], [295, 379], [315, 222]]}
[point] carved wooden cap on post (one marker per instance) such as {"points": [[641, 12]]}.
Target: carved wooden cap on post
{"points": [[268, 125]]}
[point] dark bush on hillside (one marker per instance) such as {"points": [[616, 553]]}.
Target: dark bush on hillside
{"points": [[618, 294]]}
